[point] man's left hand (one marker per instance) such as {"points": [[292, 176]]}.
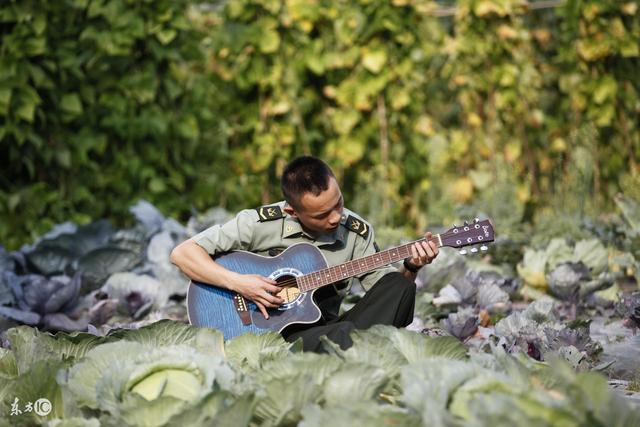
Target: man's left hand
{"points": [[424, 252]]}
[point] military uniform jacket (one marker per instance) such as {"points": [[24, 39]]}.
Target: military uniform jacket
{"points": [[268, 230]]}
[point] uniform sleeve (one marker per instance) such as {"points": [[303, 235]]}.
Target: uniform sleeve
{"points": [[236, 234], [366, 247]]}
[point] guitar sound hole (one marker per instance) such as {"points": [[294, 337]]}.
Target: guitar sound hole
{"points": [[288, 293]]}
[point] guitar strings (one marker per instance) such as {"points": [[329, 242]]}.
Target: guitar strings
{"points": [[294, 280]]}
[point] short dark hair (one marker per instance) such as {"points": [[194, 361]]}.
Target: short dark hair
{"points": [[304, 174]]}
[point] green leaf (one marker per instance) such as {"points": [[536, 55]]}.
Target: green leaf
{"points": [[5, 97], [593, 50], [134, 410], [605, 90], [115, 376], [63, 157], [319, 367], [40, 78], [427, 386], [188, 128], [219, 408], [593, 254], [375, 353], [630, 210], [532, 268], [315, 63], [604, 115], [284, 399], [557, 252], [607, 407], [572, 355], [481, 179], [157, 185], [80, 4], [349, 149], [269, 41], [8, 365], [35, 46], [5, 100], [166, 36], [168, 332], [374, 60], [176, 383], [414, 346], [29, 345], [39, 24], [629, 48], [71, 104], [354, 382], [26, 111], [73, 421], [30, 95], [344, 120], [248, 352], [370, 414]]}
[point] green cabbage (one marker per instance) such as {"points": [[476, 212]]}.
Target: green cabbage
{"points": [[127, 379]]}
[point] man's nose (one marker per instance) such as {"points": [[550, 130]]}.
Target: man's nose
{"points": [[335, 218]]}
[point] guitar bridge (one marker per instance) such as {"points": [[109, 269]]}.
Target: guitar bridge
{"points": [[241, 308]]}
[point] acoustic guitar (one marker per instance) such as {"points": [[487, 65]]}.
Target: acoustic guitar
{"points": [[302, 272]]}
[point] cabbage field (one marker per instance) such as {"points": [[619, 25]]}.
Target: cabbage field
{"points": [[538, 331]]}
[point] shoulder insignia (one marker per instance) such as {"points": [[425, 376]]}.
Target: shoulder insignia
{"points": [[269, 213], [359, 227]]}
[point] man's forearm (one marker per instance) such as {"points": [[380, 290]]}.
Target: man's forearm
{"points": [[196, 263]]}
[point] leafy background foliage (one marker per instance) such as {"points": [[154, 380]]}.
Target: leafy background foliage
{"points": [[101, 101], [438, 112], [497, 110]]}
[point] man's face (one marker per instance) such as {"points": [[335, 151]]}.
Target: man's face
{"points": [[320, 214]]}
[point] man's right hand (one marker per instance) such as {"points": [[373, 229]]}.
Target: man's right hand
{"points": [[197, 264], [261, 290]]}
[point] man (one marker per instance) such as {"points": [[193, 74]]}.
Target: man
{"points": [[313, 212]]}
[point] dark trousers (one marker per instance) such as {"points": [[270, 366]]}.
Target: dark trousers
{"points": [[389, 302]]}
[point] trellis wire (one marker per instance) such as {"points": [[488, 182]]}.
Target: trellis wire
{"points": [[538, 5]]}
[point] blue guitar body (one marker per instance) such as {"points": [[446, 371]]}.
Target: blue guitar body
{"points": [[214, 307]]}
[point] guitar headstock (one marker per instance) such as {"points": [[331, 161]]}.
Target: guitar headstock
{"points": [[478, 232]]}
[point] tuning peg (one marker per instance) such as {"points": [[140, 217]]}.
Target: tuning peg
{"points": [[484, 248], [476, 220], [463, 252], [455, 226], [474, 250], [466, 223]]}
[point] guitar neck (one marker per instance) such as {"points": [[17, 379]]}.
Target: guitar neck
{"points": [[357, 267]]}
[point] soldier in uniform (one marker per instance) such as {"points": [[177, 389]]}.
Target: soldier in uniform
{"points": [[313, 212]]}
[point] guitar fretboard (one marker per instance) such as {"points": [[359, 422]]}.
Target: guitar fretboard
{"points": [[357, 267]]}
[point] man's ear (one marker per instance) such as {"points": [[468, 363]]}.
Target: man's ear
{"points": [[289, 210]]}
